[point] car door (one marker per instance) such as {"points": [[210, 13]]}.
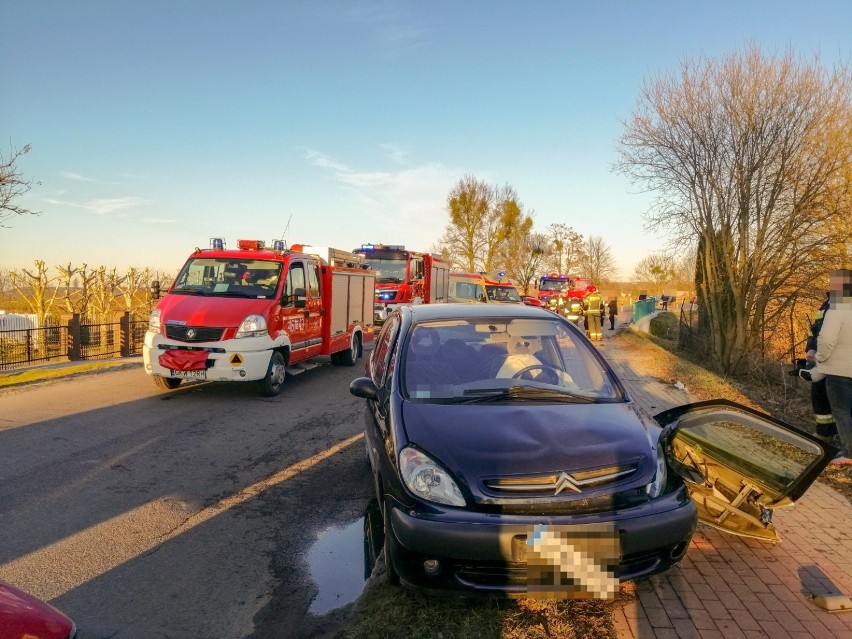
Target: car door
{"points": [[380, 370], [739, 464]]}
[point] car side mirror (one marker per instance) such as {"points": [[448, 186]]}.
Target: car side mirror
{"points": [[364, 388], [155, 290]]}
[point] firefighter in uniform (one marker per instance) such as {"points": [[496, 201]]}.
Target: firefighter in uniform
{"points": [[575, 309], [826, 427], [593, 308]]}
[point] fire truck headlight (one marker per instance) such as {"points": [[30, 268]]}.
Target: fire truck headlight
{"points": [[252, 326], [154, 321]]}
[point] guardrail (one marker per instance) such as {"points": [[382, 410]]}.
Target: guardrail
{"points": [[72, 338], [641, 308]]}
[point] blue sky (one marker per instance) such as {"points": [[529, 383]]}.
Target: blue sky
{"points": [[157, 125]]}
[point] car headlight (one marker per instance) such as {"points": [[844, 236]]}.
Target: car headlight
{"points": [[658, 483], [425, 479], [154, 321], [252, 326]]}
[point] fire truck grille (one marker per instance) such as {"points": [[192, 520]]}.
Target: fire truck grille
{"points": [[194, 333]]}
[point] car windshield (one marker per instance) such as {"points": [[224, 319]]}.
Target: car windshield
{"points": [[460, 360], [228, 277], [503, 294], [553, 285]]}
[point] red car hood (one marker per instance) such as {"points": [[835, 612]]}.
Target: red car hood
{"points": [[24, 616], [219, 312]]}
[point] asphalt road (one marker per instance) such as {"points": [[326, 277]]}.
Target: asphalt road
{"points": [[183, 514]]}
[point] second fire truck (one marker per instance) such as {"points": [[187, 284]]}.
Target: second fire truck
{"points": [[405, 277]]}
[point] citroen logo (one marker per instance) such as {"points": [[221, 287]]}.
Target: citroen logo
{"points": [[566, 482], [190, 333]]}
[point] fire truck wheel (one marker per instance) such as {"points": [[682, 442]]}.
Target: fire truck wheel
{"points": [[349, 357], [166, 383], [273, 383]]}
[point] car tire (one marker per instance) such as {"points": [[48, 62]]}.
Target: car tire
{"points": [[273, 383], [391, 574], [166, 383], [373, 535], [349, 356]]}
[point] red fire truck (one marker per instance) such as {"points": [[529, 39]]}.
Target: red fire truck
{"points": [[558, 285], [405, 277], [258, 314]]}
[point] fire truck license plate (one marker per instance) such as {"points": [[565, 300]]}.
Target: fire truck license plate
{"points": [[200, 374]]}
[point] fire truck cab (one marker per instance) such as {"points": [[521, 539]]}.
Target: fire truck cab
{"points": [[554, 285], [405, 277], [258, 314], [482, 287]]}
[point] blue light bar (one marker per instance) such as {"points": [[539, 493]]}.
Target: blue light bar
{"points": [[217, 243], [278, 245]]}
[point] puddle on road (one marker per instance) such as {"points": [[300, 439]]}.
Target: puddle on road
{"points": [[341, 560]]}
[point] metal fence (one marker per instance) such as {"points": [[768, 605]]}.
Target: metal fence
{"points": [[69, 339]]}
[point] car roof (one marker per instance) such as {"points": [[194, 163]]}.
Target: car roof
{"points": [[432, 312]]}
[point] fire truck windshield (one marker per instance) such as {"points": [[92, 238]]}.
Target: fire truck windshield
{"points": [[553, 285], [389, 270], [228, 277]]}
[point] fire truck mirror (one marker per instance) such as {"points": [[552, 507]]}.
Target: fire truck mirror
{"points": [[155, 289], [299, 299]]}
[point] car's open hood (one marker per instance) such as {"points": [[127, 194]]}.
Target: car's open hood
{"points": [[479, 442]]}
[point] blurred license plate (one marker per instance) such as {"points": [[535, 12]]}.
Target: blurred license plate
{"points": [[199, 374]]}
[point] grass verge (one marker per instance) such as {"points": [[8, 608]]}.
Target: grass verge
{"points": [[30, 376]]}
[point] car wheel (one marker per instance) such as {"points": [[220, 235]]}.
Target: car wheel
{"points": [[372, 537], [390, 572], [166, 383], [273, 383], [349, 357]]}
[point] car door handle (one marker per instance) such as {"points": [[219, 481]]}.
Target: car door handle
{"points": [[307, 313]]}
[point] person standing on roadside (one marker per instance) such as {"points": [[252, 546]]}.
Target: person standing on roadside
{"points": [[826, 426], [834, 355], [593, 309], [613, 311]]}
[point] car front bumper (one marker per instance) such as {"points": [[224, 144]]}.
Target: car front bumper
{"points": [[234, 360], [480, 552]]}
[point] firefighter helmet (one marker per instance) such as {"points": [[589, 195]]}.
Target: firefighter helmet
{"points": [[591, 288]]}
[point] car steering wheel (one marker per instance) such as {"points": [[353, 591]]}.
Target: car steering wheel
{"points": [[549, 374]]}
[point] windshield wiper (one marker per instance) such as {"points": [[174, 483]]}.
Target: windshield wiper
{"points": [[482, 395], [193, 291]]}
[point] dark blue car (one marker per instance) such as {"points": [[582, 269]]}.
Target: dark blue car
{"points": [[508, 457]]}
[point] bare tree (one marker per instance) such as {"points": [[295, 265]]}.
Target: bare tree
{"points": [[134, 288], [505, 218], [482, 218], [77, 282], [657, 270], [468, 204], [597, 262], [566, 248], [34, 287], [12, 185], [104, 291], [523, 255], [749, 157]]}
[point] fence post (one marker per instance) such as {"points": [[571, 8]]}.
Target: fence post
{"points": [[124, 333], [74, 341]]}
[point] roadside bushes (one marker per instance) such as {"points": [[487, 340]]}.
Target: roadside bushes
{"points": [[665, 326]]}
